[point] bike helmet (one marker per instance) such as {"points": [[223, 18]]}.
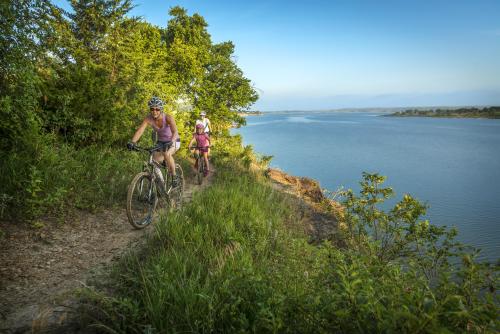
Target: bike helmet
{"points": [[203, 113], [155, 102], [199, 126]]}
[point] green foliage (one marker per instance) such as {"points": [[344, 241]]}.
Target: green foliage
{"points": [[4, 203], [57, 178], [228, 263], [86, 75], [20, 33], [188, 44], [488, 112], [74, 82], [399, 234], [104, 67], [229, 149], [224, 89]]}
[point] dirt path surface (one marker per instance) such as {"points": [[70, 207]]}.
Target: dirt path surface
{"points": [[41, 268]]}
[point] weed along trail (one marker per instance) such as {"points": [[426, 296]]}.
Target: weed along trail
{"points": [[43, 267], [40, 267]]}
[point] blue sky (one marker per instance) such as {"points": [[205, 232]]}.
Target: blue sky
{"points": [[346, 54]]}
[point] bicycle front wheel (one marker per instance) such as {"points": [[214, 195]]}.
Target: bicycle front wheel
{"points": [[201, 168], [141, 200], [177, 194]]}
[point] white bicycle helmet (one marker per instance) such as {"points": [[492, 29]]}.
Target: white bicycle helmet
{"points": [[155, 102]]}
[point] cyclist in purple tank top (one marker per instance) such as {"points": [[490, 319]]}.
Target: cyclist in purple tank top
{"points": [[166, 130]]}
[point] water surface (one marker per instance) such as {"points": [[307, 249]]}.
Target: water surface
{"points": [[451, 164]]}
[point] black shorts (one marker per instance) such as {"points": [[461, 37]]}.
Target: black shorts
{"points": [[165, 145]]}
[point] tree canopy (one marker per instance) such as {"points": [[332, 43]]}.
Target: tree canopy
{"points": [[86, 75]]}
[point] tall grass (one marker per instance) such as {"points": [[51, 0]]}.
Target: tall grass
{"points": [[50, 178], [227, 263]]}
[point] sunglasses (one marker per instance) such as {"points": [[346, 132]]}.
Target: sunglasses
{"points": [[154, 109]]}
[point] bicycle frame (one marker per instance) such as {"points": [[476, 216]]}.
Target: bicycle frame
{"points": [[200, 162], [150, 166], [147, 187]]}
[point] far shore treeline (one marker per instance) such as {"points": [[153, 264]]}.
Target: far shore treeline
{"points": [[75, 83], [251, 113], [488, 112]]}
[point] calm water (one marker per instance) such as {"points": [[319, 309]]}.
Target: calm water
{"points": [[451, 164]]}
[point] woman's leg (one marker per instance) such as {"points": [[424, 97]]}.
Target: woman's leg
{"points": [[168, 155], [158, 157], [205, 157], [196, 154]]}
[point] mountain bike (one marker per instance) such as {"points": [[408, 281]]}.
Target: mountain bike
{"points": [[152, 187], [201, 169]]}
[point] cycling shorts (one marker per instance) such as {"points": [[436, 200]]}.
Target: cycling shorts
{"points": [[165, 145]]}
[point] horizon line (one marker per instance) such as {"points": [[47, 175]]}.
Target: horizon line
{"points": [[373, 108]]}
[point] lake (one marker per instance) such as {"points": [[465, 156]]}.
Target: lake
{"points": [[453, 165]]}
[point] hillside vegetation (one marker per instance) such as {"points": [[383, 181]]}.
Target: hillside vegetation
{"points": [[236, 259], [489, 112]]}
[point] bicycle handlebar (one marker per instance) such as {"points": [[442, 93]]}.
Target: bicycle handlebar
{"points": [[198, 147]]}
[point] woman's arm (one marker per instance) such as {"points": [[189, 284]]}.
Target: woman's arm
{"points": [[140, 131], [191, 142]]}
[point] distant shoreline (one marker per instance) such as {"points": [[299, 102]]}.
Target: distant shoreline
{"points": [[381, 110], [490, 113], [250, 113], [437, 112]]}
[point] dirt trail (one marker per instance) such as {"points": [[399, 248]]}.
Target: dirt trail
{"points": [[40, 268]]}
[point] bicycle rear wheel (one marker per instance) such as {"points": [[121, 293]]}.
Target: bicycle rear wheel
{"points": [[141, 200]]}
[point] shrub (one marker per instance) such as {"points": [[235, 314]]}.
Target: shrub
{"points": [[50, 178], [227, 263]]}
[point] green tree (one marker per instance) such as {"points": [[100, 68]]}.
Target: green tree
{"points": [[83, 83], [205, 73], [225, 91], [21, 30]]}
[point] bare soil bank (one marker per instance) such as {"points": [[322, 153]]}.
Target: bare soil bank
{"points": [[320, 215]]}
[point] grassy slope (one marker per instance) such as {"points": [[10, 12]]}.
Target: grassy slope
{"points": [[58, 178], [52, 179], [227, 263]]}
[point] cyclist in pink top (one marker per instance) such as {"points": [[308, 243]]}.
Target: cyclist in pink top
{"points": [[166, 130], [202, 144]]}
